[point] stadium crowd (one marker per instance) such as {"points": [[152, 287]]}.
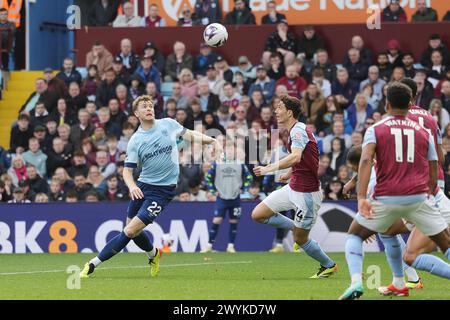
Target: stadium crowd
{"points": [[69, 142]]}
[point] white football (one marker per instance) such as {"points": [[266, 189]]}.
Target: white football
{"points": [[215, 35]]}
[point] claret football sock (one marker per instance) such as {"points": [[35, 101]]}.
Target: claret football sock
{"points": [[313, 249], [280, 221], [433, 265], [114, 246]]}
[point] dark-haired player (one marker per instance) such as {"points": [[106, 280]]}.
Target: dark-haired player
{"points": [[303, 193], [406, 173]]}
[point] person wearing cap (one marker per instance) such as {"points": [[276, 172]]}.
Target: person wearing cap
{"points": [[434, 43], [207, 12], [394, 53], [177, 61], [185, 20], [224, 69], [394, 12], [204, 59], [159, 61], [246, 68], [263, 83], [333, 191], [424, 13], [153, 19], [215, 82], [241, 15], [20, 134], [130, 59], [121, 72], [40, 133], [272, 17], [127, 19], [69, 74], [34, 156], [281, 41], [148, 72], [100, 57]]}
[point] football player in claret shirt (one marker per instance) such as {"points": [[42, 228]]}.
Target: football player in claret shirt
{"points": [[406, 174], [303, 193]]}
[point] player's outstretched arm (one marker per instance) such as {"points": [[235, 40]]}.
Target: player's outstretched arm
{"points": [[135, 191], [365, 167], [287, 162]]}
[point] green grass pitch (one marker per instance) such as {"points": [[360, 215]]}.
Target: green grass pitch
{"points": [[192, 276]]}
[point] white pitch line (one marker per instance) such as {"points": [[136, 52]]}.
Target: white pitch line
{"points": [[133, 267]]}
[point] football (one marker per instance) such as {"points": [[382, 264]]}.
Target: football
{"points": [[215, 35]]}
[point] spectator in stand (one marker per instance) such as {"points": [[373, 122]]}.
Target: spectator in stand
{"points": [[153, 19], [281, 41], [186, 17], [337, 132], [268, 121], [240, 15], [36, 182], [424, 13], [312, 102], [318, 78], [129, 58], [21, 134], [375, 81], [438, 69], [241, 123], [197, 113], [7, 36], [127, 133], [75, 100], [71, 197], [184, 119], [344, 88], [324, 63], [263, 83], [356, 68], [211, 123], [5, 188], [34, 156], [207, 12], [241, 85], [337, 154], [215, 82], [62, 114], [177, 61], [333, 191], [384, 67], [39, 115], [224, 69], [69, 74], [125, 101], [117, 115], [114, 191], [424, 94], [99, 136], [19, 197], [148, 72], [272, 17], [309, 43], [127, 19], [398, 74], [293, 82], [103, 13], [5, 160], [41, 93], [394, 53], [276, 69], [230, 97], [408, 65], [113, 151], [440, 114], [105, 167], [81, 186], [158, 100], [252, 112], [91, 83], [358, 112], [107, 89], [136, 88], [55, 85], [257, 99], [224, 115], [110, 126], [18, 170], [100, 57], [208, 100], [246, 68], [79, 164], [394, 12], [59, 156], [437, 90], [159, 61], [92, 197], [204, 59], [56, 194], [121, 73], [89, 150], [445, 96], [365, 54], [181, 99], [447, 16]]}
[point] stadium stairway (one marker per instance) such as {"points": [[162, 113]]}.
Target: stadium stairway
{"points": [[18, 88]]}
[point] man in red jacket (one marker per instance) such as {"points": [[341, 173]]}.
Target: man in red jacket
{"points": [[293, 82]]}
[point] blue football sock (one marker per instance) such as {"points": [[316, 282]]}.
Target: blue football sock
{"points": [[433, 265], [213, 232], [233, 232], [280, 221], [354, 255], [313, 249], [143, 242], [394, 255], [114, 246]]}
